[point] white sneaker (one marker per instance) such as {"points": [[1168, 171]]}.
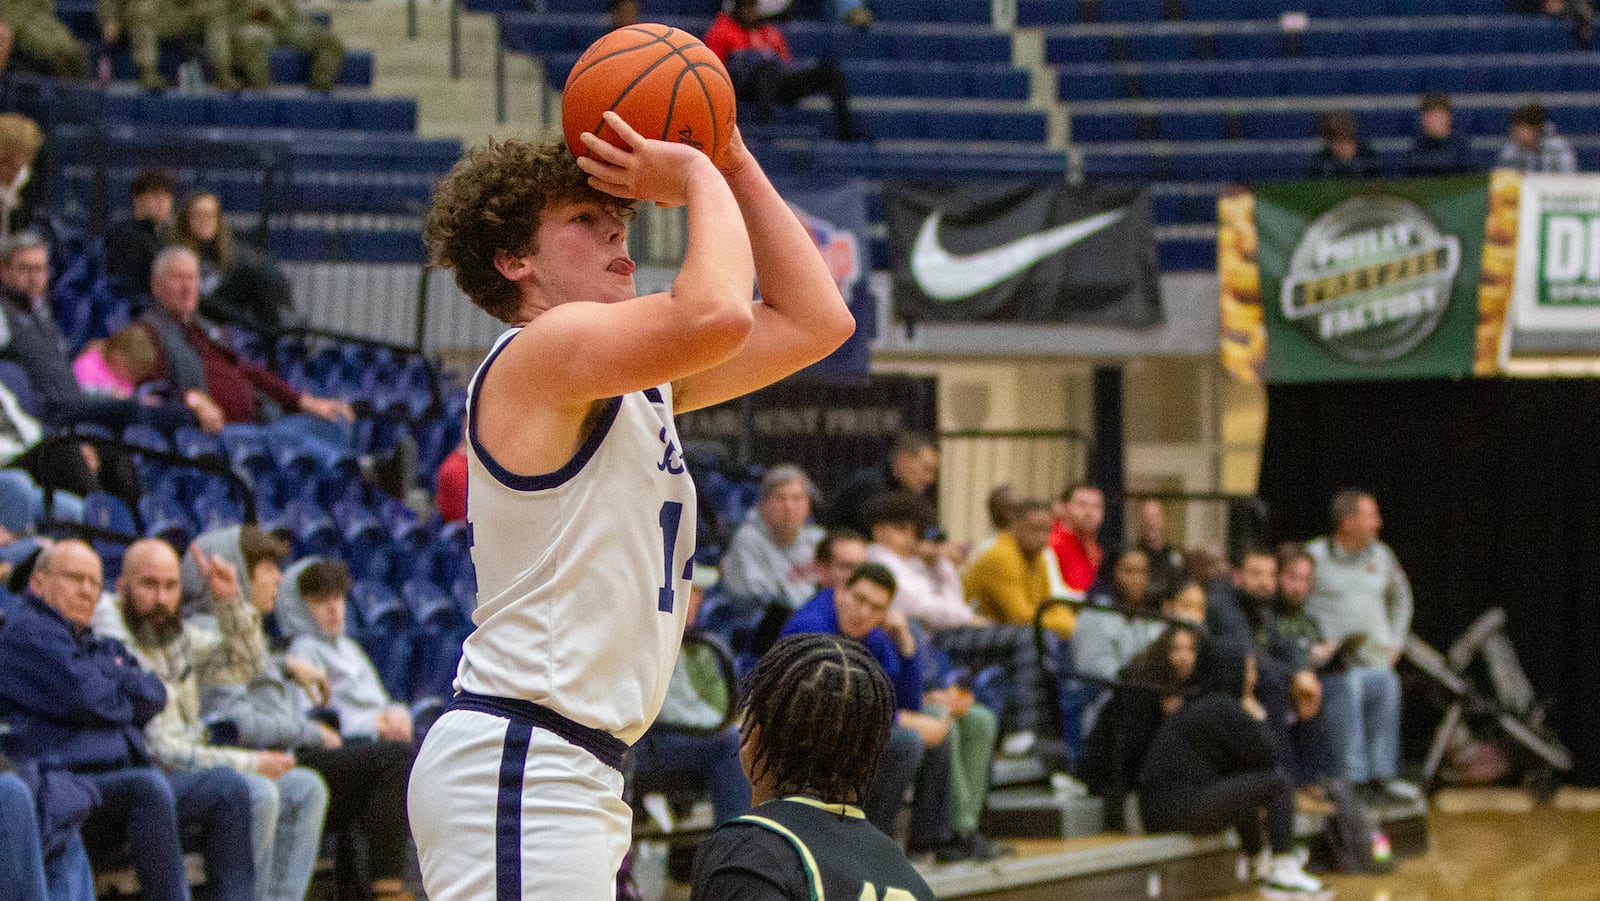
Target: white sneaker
{"points": [[1287, 880], [1261, 866], [1400, 788], [1017, 743]]}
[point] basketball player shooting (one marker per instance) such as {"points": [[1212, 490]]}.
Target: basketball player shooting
{"points": [[581, 512]]}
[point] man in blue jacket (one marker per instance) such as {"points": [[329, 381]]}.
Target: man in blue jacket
{"points": [[79, 703], [859, 610]]}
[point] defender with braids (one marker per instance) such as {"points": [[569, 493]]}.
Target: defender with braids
{"points": [[815, 719]]}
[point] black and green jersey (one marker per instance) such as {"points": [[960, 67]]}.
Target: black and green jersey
{"points": [[801, 849]]}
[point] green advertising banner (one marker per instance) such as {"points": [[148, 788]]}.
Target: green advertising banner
{"points": [[1370, 280]]}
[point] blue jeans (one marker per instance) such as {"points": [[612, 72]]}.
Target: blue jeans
{"points": [[1361, 714], [21, 861], [142, 807], [712, 759], [286, 832]]}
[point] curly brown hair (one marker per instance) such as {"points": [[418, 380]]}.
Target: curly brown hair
{"points": [[490, 204]]}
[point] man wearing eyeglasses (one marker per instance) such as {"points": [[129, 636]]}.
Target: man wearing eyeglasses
{"points": [[78, 703]]}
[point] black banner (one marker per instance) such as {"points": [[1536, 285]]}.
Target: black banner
{"points": [[1009, 252], [831, 428]]}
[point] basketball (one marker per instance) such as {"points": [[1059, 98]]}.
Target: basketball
{"points": [[661, 80]]}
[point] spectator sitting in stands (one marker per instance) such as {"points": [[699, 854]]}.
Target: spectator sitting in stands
{"points": [[239, 285], [287, 801], [1534, 144], [917, 747], [1165, 560], [1309, 744], [20, 141], [913, 466], [268, 702], [280, 23], [30, 338], [192, 361], [1074, 540], [1438, 149], [1152, 685], [1113, 627], [929, 592], [772, 556], [117, 365], [1210, 767], [1360, 589], [80, 702], [764, 73], [311, 613], [1344, 153], [35, 867], [132, 244], [1286, 685], [1010, 581], [40, 40]]}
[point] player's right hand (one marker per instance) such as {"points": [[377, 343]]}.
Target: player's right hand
{"points": [[657, 171]]}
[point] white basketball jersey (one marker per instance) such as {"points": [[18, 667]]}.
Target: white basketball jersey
{"points": [[583, 573]]}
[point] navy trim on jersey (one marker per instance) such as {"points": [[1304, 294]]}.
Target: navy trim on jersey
{"points": [[606, 748], [508, 813], [653, 395], [550, 479]]}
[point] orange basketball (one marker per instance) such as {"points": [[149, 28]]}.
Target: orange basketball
{"points": [[659, 79]]}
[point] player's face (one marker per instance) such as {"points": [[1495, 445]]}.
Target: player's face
{"points": [[862, 606], [583, 254]]}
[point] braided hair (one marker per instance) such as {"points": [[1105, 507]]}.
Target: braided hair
{"points": [[823, 707]]}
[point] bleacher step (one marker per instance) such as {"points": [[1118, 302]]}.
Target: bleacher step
{"points": [[461, 108], [1041, 813]]}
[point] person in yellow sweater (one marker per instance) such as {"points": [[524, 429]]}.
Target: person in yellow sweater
{"points": [[1008, 582]]}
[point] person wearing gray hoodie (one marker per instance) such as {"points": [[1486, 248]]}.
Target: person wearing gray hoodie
{"points": [[311, 613]]}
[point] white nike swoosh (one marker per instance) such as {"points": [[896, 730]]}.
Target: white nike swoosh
{"points": [[944, 276]]}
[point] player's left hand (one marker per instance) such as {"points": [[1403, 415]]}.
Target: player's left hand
{"points": [[657, 171]]}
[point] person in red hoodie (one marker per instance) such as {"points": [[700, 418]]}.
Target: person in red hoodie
{"points": [[764, 73], [1079, 513]]}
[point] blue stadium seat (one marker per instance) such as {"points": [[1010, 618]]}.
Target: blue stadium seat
{"points": [[1161, 48], [104, 511], [1039, 13], [1247, 45]]}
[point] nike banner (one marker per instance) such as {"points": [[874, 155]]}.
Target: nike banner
{"points": [[1030, 252]]}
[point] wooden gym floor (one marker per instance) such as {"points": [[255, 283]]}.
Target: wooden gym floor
{"points": [[1493, 847]]}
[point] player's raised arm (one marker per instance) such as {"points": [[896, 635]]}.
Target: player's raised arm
{"points": [[587, 336], [801, 317]]}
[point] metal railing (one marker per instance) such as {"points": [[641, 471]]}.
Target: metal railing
{"points": [[67, 442]]}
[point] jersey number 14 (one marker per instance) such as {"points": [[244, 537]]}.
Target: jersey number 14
{"points": [[671, 517]]}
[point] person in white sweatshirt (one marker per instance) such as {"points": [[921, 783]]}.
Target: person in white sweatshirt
{"points": [[319, 587]]}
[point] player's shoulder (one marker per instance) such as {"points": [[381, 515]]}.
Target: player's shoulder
{"points": [[744, 851]]}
